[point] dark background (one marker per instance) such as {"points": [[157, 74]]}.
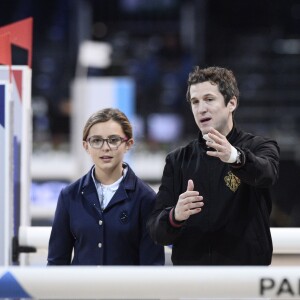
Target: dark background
{"points": [[157, 43]]}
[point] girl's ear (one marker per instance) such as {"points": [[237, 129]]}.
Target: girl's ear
{"points": [[129, 144], [85, 146]]}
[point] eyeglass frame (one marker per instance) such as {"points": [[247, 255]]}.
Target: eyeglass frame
{"points": [[107, 141]]}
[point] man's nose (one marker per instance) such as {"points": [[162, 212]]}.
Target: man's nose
{"points": [[202, 107]]}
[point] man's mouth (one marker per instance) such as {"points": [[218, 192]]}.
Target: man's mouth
{"points": [[204, 120]]}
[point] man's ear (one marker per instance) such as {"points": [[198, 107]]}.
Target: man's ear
{"points": [[232, 104]]}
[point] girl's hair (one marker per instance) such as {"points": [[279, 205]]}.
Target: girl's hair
{"points": [[105, 115]]}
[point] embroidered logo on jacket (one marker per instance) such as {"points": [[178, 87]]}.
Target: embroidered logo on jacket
{"points": [[124, 217], [232, 181]]}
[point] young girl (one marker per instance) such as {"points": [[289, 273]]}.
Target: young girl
{"points": [[101, 218]]}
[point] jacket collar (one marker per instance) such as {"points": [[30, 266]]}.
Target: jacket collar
{"points": [[89, 191], [128, 182]]}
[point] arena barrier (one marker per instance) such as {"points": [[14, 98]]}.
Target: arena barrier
{"points": [[150, 282], [167, 282], [285, 240]]}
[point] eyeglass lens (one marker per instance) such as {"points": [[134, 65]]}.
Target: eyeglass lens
{"points": [[98, 142]]}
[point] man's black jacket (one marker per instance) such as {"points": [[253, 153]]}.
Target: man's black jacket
{"points": [[233, 226]]}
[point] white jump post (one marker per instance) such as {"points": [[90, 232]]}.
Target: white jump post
{"points": [[17, 149], [6, 172]]}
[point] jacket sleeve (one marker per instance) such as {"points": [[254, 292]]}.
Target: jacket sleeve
{"points": [[61, 239], [260, 164], [150, 252], [161, 230]]}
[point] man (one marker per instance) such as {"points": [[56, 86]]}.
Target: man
{"points": [[214, 202]]}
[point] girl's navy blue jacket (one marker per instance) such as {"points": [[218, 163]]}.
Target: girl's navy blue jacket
{"points": [[82, 234]]}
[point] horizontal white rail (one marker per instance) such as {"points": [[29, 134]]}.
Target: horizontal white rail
{"points": [[35, 236], [285, 240], [150, 282]]}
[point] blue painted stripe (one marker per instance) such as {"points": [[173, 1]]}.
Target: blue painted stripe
{"points": [[125, 94], [17, 185], [10, 287], [2, 105]]}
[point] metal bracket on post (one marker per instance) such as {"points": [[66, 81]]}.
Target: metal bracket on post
{"points": [[17, 249]]}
